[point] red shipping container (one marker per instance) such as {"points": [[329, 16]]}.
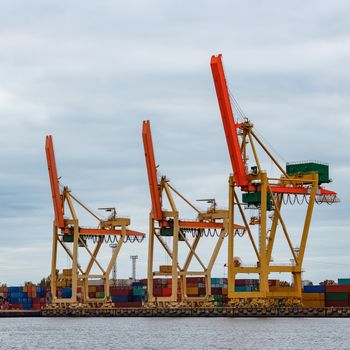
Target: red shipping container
{"points": [[159, 281], [100, 288], [166, 292], [273, 282], [241, 282], [130, 304], [246, 282], [157, 292], [194, 281], [201, 292], [92, 295], [337, 303], [337, 288], [216, 291], [116, 291]]}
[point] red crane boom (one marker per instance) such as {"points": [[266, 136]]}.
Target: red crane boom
{"points": [[151, 171], [228, 121], [54, 182]]}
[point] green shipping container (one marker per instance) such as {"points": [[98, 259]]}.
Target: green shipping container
{"points": [[309, 167], [100, 295], [344, 281], [254, 199], [337, 296], [70, 239], [169, 232], [218, 298], [138, 291], [243, 288]]}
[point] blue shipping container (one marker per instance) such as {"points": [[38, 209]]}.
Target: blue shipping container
{"points": [[314, 289], [120, 298], [66, 292], [40, 291]]}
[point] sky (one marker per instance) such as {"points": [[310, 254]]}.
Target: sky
{"points": [[89, 72]]}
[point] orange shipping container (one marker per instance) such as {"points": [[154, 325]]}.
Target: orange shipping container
{"points": [[314, 303], [165, 268], [192, 291], [313, 296]]}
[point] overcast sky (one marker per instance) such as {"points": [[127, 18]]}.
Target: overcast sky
{"points": [[89, 72]]}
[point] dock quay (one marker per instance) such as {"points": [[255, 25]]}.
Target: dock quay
{"points": [[181, 312]]}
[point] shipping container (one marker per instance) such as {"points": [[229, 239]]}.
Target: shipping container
{"points": [[192, 291], [336, 288], [337, 296], [344, 281], [337, 303], [313, 303], [314, 289], [165, 268], [130, 304], [313, 296]]}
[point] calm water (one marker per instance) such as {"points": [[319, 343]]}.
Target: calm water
{"points": [[174, 333]]}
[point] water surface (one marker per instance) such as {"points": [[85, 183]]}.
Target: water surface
{"points": [[174, 333]]}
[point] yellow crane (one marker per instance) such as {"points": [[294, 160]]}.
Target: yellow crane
{"points": [[73, 238], [163, 223], [265, 196]]}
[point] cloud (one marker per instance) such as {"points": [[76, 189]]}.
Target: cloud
{"points": [[90, 73]]}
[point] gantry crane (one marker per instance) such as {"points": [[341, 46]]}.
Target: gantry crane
{"points": [[299, 182], [67, 231], [168, 223]]}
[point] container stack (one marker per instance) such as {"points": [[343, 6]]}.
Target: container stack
{"points": [[338, 295], [314, 296], [4, 304], [219, 291], [246, 285], [96, 291], [40, 300], [121, 295], [128, 296], [195, 287], [138, 292], [162, 287], [19, 299]]}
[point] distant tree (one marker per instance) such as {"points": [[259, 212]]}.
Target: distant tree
{"points": [[327, 283]]}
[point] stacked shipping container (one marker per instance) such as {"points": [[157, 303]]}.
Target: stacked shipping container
{"points": [[314, 296], [338, 296], [134, 294]]}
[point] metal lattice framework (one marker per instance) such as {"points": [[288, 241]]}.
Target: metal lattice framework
{"points": [[265, 194], [168, 223], [68, 232]]}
